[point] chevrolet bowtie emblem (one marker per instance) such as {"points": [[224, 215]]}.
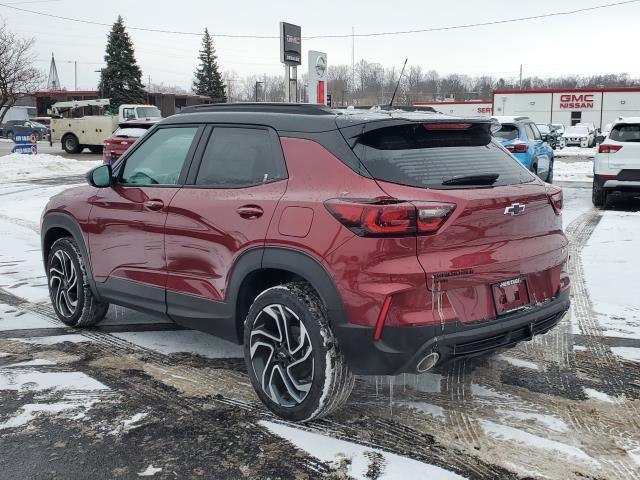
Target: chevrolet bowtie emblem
{"points": [[514, 209]]}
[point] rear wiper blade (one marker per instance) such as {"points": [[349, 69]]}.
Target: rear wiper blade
{"points": [[481, 179]]}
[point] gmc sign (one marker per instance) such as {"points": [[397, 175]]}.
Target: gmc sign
{"points": [[576, 101]]}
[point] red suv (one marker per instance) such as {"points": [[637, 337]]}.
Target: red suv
{"points": [[331, 244]]}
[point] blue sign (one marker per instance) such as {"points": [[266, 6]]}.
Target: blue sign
{"points": [[26, 144]]}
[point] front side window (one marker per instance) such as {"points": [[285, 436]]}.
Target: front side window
{"points": [[128, 113], [159, 160], [239, 157]]}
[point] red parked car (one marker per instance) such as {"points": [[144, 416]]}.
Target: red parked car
{"points": [[126, 135], [328, 243]]}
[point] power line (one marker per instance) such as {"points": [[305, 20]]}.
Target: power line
{"points": [[348, 35]]}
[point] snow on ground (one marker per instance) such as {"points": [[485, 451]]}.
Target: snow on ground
{"points": [[51, 392], [573, 171], [18, 167], [574, 152], [184, 341], [612, 271], [510, 434], [357, 459], [628, 353]]}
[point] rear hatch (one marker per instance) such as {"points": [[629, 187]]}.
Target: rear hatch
{"points": [[502, 229]]}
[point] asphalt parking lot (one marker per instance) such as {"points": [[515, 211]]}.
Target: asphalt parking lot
{"points": [[141, 397]]}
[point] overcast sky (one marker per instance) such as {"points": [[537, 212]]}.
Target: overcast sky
{"points": [[602, 41]]}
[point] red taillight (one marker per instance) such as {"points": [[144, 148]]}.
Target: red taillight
{"points": [[446, 126], [389, 217], [604, 148], [517, 148], [555, 198]]}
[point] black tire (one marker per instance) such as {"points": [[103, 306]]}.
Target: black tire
{"points": [[534, 169], [550, 173], [65, 261], [70, 143], [95, 148], [11, 136], [323, 373], [599, 197]]}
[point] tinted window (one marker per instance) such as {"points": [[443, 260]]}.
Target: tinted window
{"points": [[507, 132], [626, 133], [159, 160], [239, 157], [411, 155]]}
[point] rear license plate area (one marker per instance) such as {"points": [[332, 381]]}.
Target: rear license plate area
{"points": [[510, 295]]}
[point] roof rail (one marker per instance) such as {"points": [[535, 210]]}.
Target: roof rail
{"points": [[262, 107]]}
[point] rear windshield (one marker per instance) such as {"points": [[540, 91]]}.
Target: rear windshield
{"points": [[414, 156], [629, 132], [507, 132]]}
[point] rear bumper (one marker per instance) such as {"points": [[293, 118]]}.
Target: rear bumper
{"points": [[617, 185], [401, 348]]}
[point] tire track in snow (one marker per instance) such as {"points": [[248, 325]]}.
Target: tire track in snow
{"points": [[412, 442]]}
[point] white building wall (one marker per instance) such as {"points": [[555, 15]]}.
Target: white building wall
{"points": [[620, 104], [597, 107]]}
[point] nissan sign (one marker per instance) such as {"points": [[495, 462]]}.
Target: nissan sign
{"points": [[576, 102], [290, 44]]}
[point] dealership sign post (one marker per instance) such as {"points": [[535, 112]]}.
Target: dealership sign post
{"points": [[317, 77], [27, 144], [291, 56]]}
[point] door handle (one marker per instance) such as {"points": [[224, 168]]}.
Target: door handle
{"points": [[153, 205], [250, 212]]}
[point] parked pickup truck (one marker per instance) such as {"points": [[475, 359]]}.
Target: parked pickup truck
{"points": [[90, 131]]}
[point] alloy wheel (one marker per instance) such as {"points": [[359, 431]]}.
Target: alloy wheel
{"points": [[63, 283], [282, 355]]}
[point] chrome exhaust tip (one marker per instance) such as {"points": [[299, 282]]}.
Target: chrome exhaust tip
{"points": [[428, 362]]}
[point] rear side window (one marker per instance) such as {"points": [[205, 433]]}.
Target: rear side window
{"points": [[414, 156], [507, 132], [239, 157], [629, 132]]}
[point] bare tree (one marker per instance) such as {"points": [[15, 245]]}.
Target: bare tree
{"points": [[164, 88], [18, 77]]}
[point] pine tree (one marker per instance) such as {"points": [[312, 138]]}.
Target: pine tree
{"points": [[121, 79], [207, 76]]}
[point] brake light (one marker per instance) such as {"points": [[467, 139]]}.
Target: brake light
{"points": [[446, 126], [604, 148], [517, 148], [555, 199], [389, 217]]}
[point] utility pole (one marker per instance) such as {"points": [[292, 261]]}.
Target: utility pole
{"points": [[75, 73], [257, 83], [520, 85], [353, 63]]}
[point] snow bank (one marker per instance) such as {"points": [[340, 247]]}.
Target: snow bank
{"points": [[573, 171], [17, 167]]}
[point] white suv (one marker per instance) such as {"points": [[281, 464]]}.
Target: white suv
{"points": [[616, 166]]}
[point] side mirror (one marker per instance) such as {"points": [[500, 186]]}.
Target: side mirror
{"points": [[100, 177], [545, 137], [600, 139]]}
